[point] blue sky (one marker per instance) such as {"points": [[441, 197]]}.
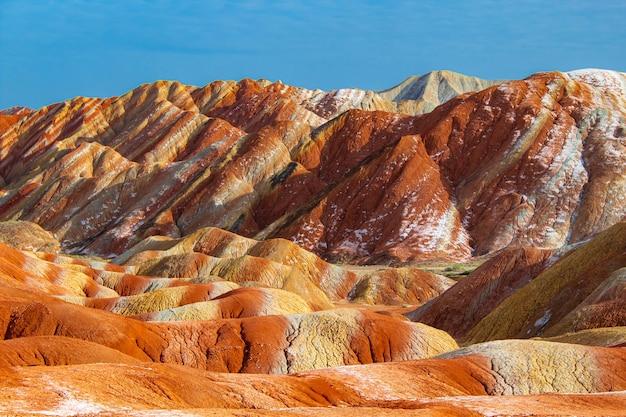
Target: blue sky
{"points": [[53, 50]]}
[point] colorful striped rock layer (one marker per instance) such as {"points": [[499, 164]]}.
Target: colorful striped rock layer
{"points": [[447, 247]]}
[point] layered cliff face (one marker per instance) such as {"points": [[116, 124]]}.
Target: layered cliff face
{"points": [[537, 162]]}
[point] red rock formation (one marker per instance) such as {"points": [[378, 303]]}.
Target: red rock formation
{"points": [[412, 218], [563, 297], [462, 383], [57, 350], [530, 172], [461, 307], [271, 344], [536, 162]]}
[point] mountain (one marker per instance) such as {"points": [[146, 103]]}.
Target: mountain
{"points": [[163, 146], [537, 162], [450, 246], [423, 93]]}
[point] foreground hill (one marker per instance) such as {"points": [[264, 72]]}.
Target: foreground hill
{"points": [[79, 331], [203, 320], [468, 383]]}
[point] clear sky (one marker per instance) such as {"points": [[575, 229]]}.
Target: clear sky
{"points": [[53, 50]]}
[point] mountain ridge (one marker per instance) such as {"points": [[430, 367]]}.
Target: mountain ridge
{"points": [[254, 248], [248, 145]]}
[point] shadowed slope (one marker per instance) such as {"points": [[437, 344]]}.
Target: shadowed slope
{"points": [[538, 307], [462, 306]]}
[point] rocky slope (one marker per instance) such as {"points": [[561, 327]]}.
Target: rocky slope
{"points": [[73, 342], [537, 162], [464, 383], [421, 94], [573, 294], [470, 300], [528, 292], [252, 248]]}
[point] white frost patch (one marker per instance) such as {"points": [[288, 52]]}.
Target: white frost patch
{"points": [[353, 246], [434, 229], [560, 185], [548, 100], [164, 413], [543, 320], [308, 234], [604, 79], [68, 404], [360, 380], [73, 407], [506, 89]]}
